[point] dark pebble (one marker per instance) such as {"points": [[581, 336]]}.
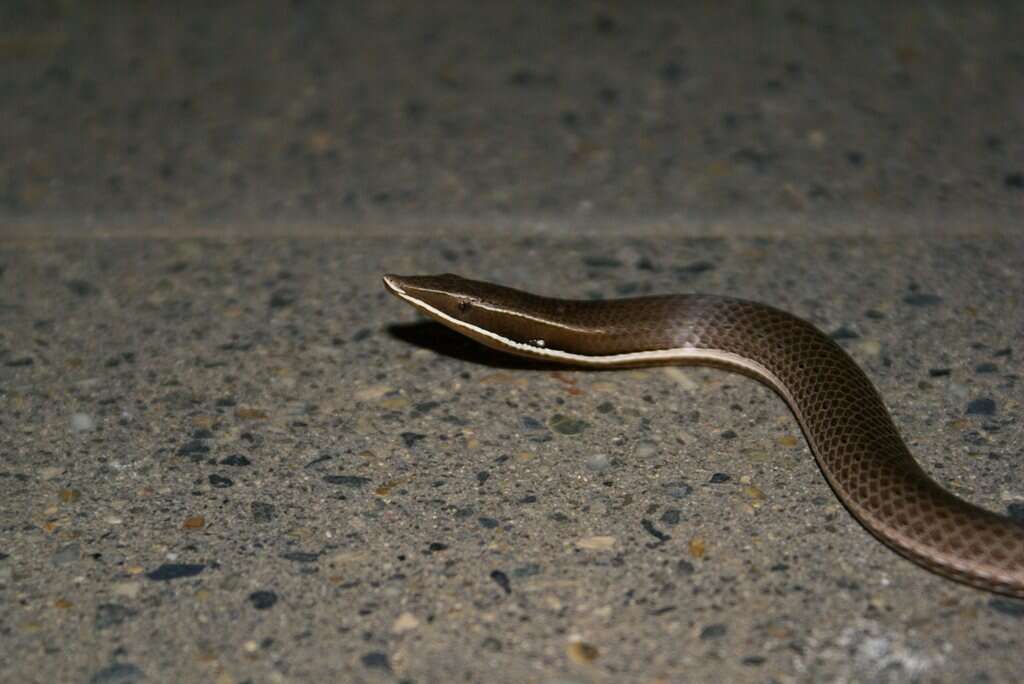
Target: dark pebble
{"points": [[685, 567], [82, 288], [981, 407], [487, 523], [528, 499], [261, 600], [193, 448], [376, 659], [346, 480], [301, 556], [719, 478], [713, 631], [482, 477], [529, 423], [236, 460], [410, 438], [318, 460], [20, 362], [501, 579], [753, 661], [986, 368], [1007, 606], [283, 297], [922, 299], [111, 615], [1016, 511], [220, 482], [728, 434], [263, 512], [605, 407], [1014, 181], [938, 372], [361, 335], [118, 673], [670, 517], [491, 644], [436, 546], [654, 531], [173, 571]]}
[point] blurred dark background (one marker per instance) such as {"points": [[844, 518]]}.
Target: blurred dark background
{"points": [[343, 112]]}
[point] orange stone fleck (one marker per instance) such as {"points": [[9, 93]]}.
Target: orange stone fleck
{"points": [[195, 522]]}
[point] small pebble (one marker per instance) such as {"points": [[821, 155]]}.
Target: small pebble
{"points": [[195, 522], [50, 472], [172, 571], [262, 512], [599, 462], [501, 579], [69, 495], [111, 615], [598, 543], [567, 425], [405, 622], [981, 407], [81, 422], [262, 600], [376, 659], [220, 482], [713, 631], [67, 554], [582, 653], [126, 589]]}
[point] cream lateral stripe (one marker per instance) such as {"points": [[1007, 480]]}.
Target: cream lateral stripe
{"points": [[676, 353]]}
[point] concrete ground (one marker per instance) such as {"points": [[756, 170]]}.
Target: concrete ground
{"points": [[228, 455]]}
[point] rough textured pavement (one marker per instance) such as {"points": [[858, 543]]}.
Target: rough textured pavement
{"points": [[227, 455]]}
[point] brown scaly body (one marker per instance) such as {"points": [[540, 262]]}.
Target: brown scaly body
{"points": [[841, 414]]}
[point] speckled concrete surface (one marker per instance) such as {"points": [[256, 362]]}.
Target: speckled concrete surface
{"points": [[227, 455], [339, 111], [246, 462]]}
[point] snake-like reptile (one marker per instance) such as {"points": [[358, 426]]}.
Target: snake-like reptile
{"points": [[842, 416]]}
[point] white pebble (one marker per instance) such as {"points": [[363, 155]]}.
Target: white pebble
{"points": [[81, 422]]}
